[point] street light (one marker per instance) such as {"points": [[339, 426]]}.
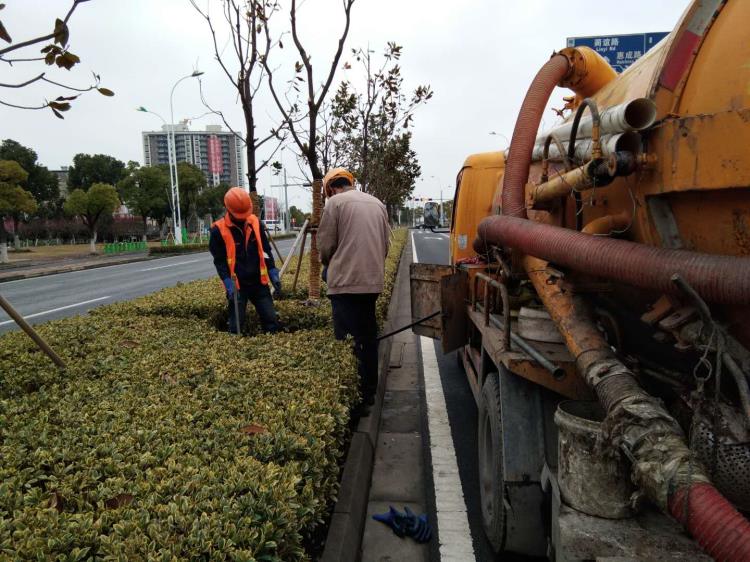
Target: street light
{"points": [[176, 186], [169, 157]]}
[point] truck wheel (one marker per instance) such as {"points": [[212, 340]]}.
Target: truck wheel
{"points": [[491, 480]]}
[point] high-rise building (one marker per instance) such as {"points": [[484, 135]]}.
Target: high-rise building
{"points": [[215, 151], [62, 180]]}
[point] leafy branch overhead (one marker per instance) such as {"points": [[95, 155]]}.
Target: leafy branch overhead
{"points": [[369, 131], [54, 54]]}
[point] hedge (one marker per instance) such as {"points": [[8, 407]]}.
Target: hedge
{"points": [[203, 247], [169, 439], [182, 249]]}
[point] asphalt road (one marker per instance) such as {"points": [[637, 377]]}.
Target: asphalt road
{"points": [[462, 411], [68, 294]]}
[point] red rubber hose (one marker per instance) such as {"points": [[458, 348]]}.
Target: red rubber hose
{"points": [[717, 526], [716, 278], [524, 134]]}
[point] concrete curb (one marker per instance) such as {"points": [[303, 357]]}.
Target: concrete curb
{"points": [[344, 539], [73, 267]]}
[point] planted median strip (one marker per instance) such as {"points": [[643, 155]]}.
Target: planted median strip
{"points": [[169, 438]]}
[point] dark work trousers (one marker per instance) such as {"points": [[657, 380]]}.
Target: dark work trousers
{"points": [[260, 296], [354, 315]]}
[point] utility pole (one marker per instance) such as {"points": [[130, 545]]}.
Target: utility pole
{"points": [[287, 222], [286, 185], [442, 214]]}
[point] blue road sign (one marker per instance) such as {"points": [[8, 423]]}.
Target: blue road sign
{"points": [[620, 51]]}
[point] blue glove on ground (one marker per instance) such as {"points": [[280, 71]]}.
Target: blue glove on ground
{"points": [[273, 273], [406, 524], [229, 286]]}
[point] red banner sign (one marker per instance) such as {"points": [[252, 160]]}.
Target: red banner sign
{"points": [[215, 162]]}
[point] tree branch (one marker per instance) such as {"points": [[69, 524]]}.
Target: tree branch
{"points": [[337, 56], [22, 84], [44, 37], [22, 106], [70, 87], [217, 55]]}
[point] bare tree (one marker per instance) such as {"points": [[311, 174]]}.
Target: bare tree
{"points": [[244, 69], [304, 131], [57, 54]]}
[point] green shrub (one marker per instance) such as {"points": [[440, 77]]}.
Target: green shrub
{"points": [[169, 439], [182, 249]]}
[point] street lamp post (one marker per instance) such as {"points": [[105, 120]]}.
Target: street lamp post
{"points": [[176, 185], [169, 157]]}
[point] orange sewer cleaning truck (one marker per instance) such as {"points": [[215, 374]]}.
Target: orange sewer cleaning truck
{"points": [[599, 299]]}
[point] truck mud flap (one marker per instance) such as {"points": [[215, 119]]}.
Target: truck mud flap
{"points": [[438, 287]]}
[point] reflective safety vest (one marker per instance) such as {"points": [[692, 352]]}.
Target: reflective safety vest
{"points": [[225, 226]]}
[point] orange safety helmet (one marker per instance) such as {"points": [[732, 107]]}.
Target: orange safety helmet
{"points": [[238, 203], [333, 174]]}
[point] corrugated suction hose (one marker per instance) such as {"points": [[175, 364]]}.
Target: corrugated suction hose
{"points": [[720, 279], [524, 134], [719, 528]]}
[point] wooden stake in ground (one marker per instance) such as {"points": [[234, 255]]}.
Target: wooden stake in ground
{"points": [[317, 206], [6, 306], [299, 261], [300, 237]]}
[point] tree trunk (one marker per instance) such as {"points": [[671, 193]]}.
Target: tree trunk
{"points": [[145, 228], [93, 242], [3, 243], [16, 241]]}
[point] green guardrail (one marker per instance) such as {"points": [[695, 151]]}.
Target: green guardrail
{"points": [[122, 247]]}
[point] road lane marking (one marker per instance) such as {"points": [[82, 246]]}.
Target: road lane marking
{"points": [[452, 521], [57, 309], [171, 265]]}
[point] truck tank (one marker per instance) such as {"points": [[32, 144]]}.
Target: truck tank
{"points": [[629, 225]]}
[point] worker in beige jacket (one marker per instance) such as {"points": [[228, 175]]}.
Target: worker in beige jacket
{"points": [[353, 238]]}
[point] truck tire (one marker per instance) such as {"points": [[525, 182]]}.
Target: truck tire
{"points": [[491, 480]]}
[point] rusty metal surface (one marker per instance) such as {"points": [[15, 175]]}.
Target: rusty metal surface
{"points": [[517, 362], [664, 222], [454, 292], [425, 296]]}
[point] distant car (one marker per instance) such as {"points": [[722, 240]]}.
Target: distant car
{"points": [[273, 225]]}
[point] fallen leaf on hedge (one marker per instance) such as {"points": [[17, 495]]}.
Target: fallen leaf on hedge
{"points": [[119, 500], [253, 429], [56, 502], [130, 344]]}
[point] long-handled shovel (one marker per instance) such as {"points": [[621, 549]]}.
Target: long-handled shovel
{"points": [[236, 307]]}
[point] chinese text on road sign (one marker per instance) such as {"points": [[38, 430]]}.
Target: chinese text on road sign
{"points": [[620, 51]]}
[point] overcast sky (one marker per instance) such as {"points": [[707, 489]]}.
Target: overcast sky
{"points": [[478, 55]]}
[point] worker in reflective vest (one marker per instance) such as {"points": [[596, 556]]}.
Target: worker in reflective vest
{"points": [[244, 262]]}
